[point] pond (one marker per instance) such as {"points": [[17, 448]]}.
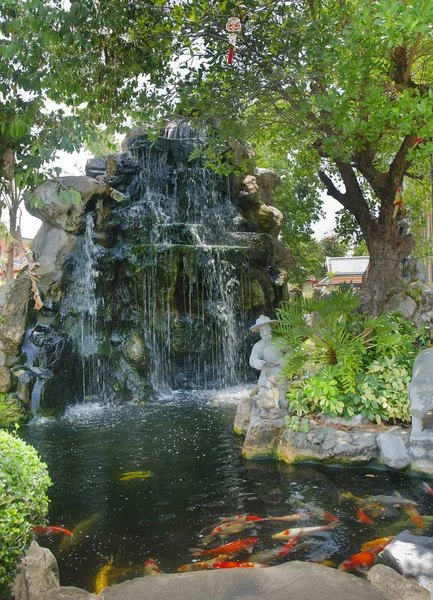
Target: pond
{"points": [[196, 476]]}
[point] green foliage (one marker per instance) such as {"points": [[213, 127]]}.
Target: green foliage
{"points": [[345, 363], [24, 481]]}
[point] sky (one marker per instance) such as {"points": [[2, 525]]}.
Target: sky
{"points": [[74, 164]]}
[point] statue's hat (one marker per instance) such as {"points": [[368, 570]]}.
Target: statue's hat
{"points": [[262, 320]]}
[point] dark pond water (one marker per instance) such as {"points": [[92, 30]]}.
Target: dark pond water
{"points": [[198, 475]]}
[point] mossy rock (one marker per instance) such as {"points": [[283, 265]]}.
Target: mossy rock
{"points": [[252, 295], [11, 410]]}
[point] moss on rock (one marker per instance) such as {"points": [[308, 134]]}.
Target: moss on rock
{"points": [[11, 410]]}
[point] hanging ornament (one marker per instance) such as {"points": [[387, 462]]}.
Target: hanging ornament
{"points": [[399, 203], [233, 26]]}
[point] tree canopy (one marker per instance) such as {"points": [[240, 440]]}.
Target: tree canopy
{"points": [[347, 82]]}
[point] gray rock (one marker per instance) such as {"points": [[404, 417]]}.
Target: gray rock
{"points": [[421, 389], [411, 560], [243, 413], [295, 580], [393, 452], [69, 593], [14, 314], [50, 246], [356, 421], [328, 444], [262, 436], [395, 586], [402, 303], [39, 574], [67, 216], [410, 538]]}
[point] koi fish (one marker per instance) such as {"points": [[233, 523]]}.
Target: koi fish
{"points": [[51, 529], [295, 517], [238, 565], [226, 529], [358, 561], [395, 500], [362, 517], [323, 514], [135, 475], [287, 548], [202, 565], [377, 545], [414, 516], [102, 578], [80, 532], [350, 496], [241, 518], [426, 488], [289, 534], [326, 563], [151, 567], [230, 549]]}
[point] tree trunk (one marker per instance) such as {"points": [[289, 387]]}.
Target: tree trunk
{"points": [[387, 250], [14, 232]]}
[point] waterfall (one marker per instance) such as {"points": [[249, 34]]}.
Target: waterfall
{"points": [[83, 305], [192, 265]]}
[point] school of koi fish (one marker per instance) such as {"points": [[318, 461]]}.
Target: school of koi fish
{"points": [[214, 554]]}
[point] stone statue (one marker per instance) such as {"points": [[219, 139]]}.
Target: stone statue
{"points": [[266, 357], [421, 389]]}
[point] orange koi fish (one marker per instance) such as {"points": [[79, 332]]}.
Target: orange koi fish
{"points": [[289, 534], [51, 529], [287, 548], [238, 565], [151, 567], [241, 518], [362, 517], [414, 516], [358, 561], [202, 565], [377, 545], [295, 517], [230, 549], [226, 529], [426, 488]]}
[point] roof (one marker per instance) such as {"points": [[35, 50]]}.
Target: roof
{"points": [[347, 265]]}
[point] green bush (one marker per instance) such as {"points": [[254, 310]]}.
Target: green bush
{"points": [[24, 481], [345, 363]]}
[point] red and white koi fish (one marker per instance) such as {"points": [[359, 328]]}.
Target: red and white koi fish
{"points": [[376, 546], [230, 549], [295, 517], [202, 565], [287, 548], [323, 514], [362, 517], [358, 561], [51, 529], [226, 529], [427, 488], [238, 565], [289, 534], [241, 518], [151, 567]]}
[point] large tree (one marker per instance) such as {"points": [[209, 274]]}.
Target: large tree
{"points": [[350, 79]]}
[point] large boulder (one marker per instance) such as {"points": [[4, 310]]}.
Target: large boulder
{"points": [[328, 444], [38, 575], [393, 451], [52, 209], [395, 586]]}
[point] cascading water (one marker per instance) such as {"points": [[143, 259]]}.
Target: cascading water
{"points": [[83, 304], [190, 264], [156, 290]]}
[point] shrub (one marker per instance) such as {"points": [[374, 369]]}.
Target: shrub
{"points": [[345, 363], [24, 481]]}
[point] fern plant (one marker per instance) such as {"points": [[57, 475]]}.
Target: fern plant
{"points": [[344, 363]]}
